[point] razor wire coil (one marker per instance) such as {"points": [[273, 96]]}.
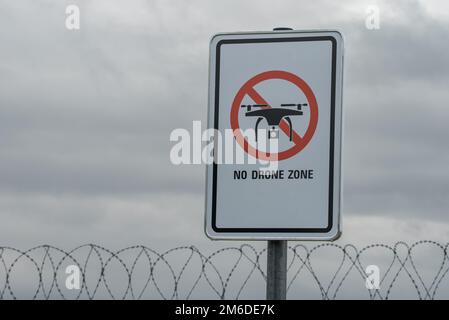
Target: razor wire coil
{"points": [[140, 272]]}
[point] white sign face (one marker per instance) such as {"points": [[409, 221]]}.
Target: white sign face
{"points": [[278, 94]]}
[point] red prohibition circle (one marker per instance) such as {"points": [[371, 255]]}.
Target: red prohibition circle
{"points": [[248, 88]]}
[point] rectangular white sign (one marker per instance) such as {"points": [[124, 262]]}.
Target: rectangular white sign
{"points": [[278, 95]]}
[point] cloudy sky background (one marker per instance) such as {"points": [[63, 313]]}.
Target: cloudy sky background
{"points": [[85, 117]]}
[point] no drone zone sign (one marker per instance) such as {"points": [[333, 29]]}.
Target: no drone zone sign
{"points": [[279, 94]]}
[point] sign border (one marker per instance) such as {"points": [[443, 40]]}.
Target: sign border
{"points": [[227, 232]]}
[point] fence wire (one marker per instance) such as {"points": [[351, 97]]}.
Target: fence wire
{"points": [[324, 271]]}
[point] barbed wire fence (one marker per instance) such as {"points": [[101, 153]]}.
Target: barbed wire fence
{"points": [[323, 271]]}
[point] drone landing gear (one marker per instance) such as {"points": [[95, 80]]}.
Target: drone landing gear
{"points": [[290, 126], [257, 124]]}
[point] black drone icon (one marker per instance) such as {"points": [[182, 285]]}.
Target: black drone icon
{"points": [[274, 116]]}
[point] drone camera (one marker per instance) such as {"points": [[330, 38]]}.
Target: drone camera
{"points": [[273, 133]]}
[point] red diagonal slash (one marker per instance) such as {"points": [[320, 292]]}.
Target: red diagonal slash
{"points": [[283, 125]]}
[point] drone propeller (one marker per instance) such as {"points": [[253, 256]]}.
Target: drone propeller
{"points": [[249, 106], [254, 105], [299, 105]]}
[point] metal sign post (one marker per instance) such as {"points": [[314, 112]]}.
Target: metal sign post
{"points": [[277, 270], [277, 260]]}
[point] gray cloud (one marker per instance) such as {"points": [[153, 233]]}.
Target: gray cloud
{"points": [[87, 115], [85, 119]]}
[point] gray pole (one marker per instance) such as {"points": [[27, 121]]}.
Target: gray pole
{"points": [[277, 270], [277, 260]]}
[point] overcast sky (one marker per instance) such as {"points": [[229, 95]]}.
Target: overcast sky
{"points": [[85, 117]]}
